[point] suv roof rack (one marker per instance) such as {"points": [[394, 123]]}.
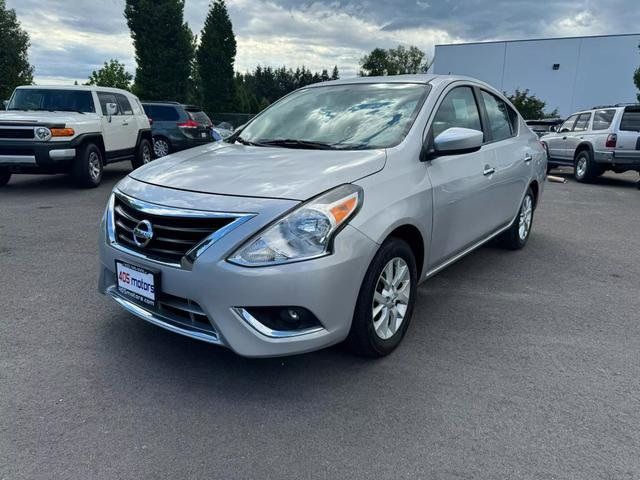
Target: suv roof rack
{"points": [[616, 105], [161, 101]]}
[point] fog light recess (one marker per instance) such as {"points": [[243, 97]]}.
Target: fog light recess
{"points": [[287, 321]]}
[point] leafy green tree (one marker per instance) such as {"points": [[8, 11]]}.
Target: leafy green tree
{"points": [[530, 106], [636, 79], [394, 61], [215, 57], [15, 69], [112, 74], [164, 47]]}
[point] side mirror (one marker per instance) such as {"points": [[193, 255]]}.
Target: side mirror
{"points": [[456, 140], [112, 109], [553, 128], [5, 104]]}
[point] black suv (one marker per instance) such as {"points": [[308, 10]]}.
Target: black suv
{"points": [[177, 127]]}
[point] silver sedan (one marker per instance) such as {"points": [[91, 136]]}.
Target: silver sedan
{"points": [[314, 223]]}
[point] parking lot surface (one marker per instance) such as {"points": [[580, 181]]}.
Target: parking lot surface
{"points": [[517, 364]]}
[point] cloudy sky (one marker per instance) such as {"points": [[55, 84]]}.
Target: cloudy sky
{"points": [[70, 38]]}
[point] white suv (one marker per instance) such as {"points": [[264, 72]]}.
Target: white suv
{"points": [[77, 130], [597, 140]]}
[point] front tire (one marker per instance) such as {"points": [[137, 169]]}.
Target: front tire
{"points": [[518, 233], [585, 169], [385, 302], [143, 154], [88, 166], [5, 176]]}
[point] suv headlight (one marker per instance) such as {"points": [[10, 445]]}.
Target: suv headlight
{"points": [[304, 233], [42, 133]]}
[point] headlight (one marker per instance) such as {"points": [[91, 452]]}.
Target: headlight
{"points": [[42, 133], [305, 233]]}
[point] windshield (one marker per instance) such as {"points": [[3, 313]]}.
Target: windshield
{"points": [[357, 116], [52, 100]]}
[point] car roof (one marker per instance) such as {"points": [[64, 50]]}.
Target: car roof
{"points": [[84, 88], [425, 78]]}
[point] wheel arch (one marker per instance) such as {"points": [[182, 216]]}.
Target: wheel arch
{"points": [[98, 141], [535, 188], [411, 234], [584, 146]]}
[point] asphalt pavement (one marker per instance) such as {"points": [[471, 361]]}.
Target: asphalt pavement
{"points": [[520, 365]]}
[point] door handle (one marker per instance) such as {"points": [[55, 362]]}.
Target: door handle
{"points": [[527, 157], [488, 170], [564, 138], [124, 124]]}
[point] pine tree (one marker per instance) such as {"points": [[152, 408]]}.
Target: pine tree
{"points": [[15, 69], [216, 57], [164, 47], [335, 75]]}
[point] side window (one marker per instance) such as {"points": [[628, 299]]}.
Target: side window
{"points": [[567, 126], [161, 113], [106, 98], [123, 103], [458, 109], [500, 122], [582, 123], [630, 120], [602, 119]]}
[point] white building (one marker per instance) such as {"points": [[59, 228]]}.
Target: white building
{"points": [[569, 74]]}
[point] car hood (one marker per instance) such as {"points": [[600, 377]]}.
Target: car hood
{"points": [[232, 169], [45, 117]]}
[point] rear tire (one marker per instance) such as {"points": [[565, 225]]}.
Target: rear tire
{"points": [[161, 147], [5, 176], [144, 154], [385, 302], [88, 166], [585, 169], [518, 233]]}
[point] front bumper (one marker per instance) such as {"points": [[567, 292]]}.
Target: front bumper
{"points": [[30, 154], [328, 287]]}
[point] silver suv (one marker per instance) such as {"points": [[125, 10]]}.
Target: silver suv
{"points": [[597, 140], [315, 223]]}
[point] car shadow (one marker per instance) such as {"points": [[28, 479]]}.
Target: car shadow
{"points": [[609, 179], [59, 182]]}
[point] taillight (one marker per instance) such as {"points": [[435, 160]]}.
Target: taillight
{"points": [[612, 139], [189, 124]]}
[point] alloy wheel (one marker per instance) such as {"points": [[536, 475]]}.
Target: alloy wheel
{"points": [[581, 167], [160, 147], [526, 216], [146, 154], [95, 166], [391, 298]]}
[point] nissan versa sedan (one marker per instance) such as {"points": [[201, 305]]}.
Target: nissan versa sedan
{"points": [[314, 223]]}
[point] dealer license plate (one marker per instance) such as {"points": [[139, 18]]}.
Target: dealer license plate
{"points": [[137, 283]]}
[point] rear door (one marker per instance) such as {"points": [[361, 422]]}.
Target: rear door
{"points": [[128, 123], [460, 189], [512, 160], [112, 135]]}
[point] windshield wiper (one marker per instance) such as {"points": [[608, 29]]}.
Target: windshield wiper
{"points": [[245, 142], [293, 143]]}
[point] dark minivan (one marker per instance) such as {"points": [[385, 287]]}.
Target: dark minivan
{"points": [[177, 127]]}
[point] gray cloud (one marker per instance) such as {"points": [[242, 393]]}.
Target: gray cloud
{"points": [[71, 38]]}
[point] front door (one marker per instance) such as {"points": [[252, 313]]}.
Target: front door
{"points": [[558, 143], [458, 181]]}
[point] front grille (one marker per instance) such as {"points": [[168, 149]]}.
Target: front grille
{"points": [[16, 133], [173, 236], [184, 312]]}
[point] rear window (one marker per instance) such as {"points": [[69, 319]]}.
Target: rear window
{"points": [[200, 117], [161, 113], [630, 121], [602, 119]]}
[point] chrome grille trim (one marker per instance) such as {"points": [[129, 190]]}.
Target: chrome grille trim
{"points": [[118, 241]]}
